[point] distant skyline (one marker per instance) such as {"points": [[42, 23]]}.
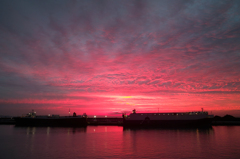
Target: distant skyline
{"points": [[108, 57]]}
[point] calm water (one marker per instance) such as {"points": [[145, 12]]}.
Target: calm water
{"points": [[114, 142]]}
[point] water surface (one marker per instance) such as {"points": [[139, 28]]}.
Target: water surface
{"points": [[115, 142]]}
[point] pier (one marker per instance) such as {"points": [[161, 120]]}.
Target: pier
{"points": [[105, 121], [226, 120]]}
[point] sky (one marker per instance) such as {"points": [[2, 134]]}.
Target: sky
{"points": [[110, 57]]}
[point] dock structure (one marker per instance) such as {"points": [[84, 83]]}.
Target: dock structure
{"points": [[7, 121], [226, 120], [105, 121]]}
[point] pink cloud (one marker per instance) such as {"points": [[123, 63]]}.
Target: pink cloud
{"points": [[182, 58]]}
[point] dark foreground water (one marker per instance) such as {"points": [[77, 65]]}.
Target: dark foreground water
{"points": [[114, 142]]}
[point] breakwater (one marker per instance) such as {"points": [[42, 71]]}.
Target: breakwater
{"points": [[105, 121], [226, 120], [217, 120]]}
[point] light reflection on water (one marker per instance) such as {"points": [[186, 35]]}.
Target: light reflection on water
{"points": [[116, 142]]}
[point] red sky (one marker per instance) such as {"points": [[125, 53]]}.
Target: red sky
{"points": [[109, 57]]}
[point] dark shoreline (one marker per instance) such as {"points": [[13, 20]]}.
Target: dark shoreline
{"points": [[226, 120], [217, 120]]}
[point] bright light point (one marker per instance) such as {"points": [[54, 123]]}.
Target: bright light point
{"points": [[127, 97], [105, 116], [95, 116]]}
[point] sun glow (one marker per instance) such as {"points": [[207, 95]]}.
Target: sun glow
{"points": [[127, 97]]}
